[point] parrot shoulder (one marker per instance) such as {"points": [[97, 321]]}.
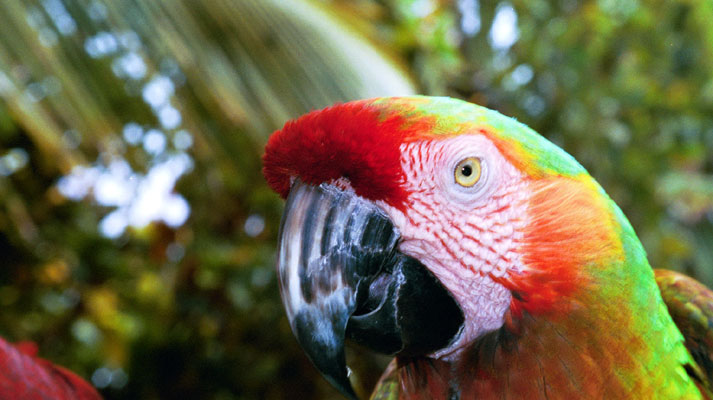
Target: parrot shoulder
{"points": [[24, 375], [388, 386], [690, 304]]}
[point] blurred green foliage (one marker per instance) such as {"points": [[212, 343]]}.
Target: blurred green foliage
{"points": [[98, 96]]}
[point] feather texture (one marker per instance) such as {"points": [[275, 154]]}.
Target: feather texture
{"points": [[691, 307], [583, 315], [24, 376]]}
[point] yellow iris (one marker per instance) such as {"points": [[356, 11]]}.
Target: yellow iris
{"points": [[467, 172]]}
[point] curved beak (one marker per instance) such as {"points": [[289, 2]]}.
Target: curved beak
{"points": [[341, 277]]}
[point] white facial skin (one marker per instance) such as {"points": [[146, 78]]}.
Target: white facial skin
{"points": [[464, 235]]}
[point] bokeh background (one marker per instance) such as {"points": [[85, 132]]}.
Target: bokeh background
{"points": [[137, 235]]}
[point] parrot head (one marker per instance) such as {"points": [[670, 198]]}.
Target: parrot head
{"points": [[416, 225]]}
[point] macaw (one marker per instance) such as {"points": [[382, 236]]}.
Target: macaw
{"points": [[24, 376], [481, 255]]}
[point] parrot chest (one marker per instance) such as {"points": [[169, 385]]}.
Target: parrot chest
{"points": [[546, 361]]}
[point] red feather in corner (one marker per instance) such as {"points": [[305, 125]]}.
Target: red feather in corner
{"points": [[24, 376]]}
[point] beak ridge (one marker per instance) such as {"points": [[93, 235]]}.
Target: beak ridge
{"points": [[331, 244], [342, 277]]}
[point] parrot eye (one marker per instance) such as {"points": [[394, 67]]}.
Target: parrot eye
{"points": [[467, 172]]}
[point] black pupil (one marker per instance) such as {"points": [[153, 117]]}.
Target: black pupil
{"points": [[466, 170]]}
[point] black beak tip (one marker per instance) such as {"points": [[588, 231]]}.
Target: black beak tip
{"points": [[323, 341], [338, 376], [331, 363]]}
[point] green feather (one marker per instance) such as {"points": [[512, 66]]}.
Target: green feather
{"points": [[622, 307]]}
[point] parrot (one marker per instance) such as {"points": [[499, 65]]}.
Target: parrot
{"points": [[24, 376], [480, 255]]}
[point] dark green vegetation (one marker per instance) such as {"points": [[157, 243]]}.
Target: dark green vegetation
{"points": [[105, 104]]}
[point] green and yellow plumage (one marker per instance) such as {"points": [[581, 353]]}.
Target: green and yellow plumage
{"points": [[618, 314], [587, 318]]}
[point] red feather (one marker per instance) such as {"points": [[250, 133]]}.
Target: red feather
{"points": [[566, 214], [359, 141], [23, 376]]}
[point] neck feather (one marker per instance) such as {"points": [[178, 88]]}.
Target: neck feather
{"points": [[608, 335], [597, 351]]}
